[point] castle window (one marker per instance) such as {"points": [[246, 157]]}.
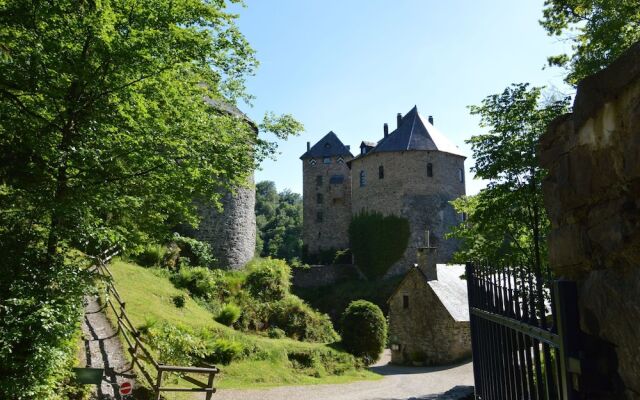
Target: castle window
{"points": [[405, 301], [340, 160], [363, 178], [461, 175], [319, 216], [312, 162], [430, 170], [336, 179], [326, 160], [319, 180], [319, 198], [381, 172]]}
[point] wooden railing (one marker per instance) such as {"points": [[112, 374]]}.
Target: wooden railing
{"points": [[138, 350]]}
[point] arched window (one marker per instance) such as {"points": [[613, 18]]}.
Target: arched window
{"points": [[381, 172], [363, 178], [461, 175], [430, 170]]}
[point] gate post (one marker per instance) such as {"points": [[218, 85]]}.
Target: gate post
{"points": [[566, 294]]}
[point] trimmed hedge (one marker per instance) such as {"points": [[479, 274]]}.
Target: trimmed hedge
{"points": [[377, 242], [364, 330]]}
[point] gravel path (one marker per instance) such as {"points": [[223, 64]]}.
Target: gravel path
{"points": [[102, 349], [398, 383]]}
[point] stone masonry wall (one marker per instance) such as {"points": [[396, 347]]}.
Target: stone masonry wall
{"points": [[324, 275], [592, 196], [332, 231], [408, 192], [232, 233], [425, 330]]}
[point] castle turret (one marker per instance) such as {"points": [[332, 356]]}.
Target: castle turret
{"points": [[326, 195]]}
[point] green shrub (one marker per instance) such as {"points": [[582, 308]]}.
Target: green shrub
{"points": [[176, 345], [199, 281], [268, 280], [229, 314], [199, 253], [276, 333], [178, 300], [301, 322], [149, 323], [302, 359], [150, 256], [377, 242], [364, 330], [224, 352]]}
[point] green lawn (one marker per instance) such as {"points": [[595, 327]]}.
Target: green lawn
{"points": [[148, 295]]}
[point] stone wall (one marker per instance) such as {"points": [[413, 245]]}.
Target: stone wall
{"points": [[231, 233], [592, 196], [332, 231], [425, 331], [324, 275], [408, 192]]}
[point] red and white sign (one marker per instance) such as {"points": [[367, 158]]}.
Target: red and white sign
{"points": [[125, 388]]}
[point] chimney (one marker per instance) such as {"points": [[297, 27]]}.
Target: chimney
{"points": [[386, 129], [399, 118], [431, 119], [427, 259], [308, 146]]}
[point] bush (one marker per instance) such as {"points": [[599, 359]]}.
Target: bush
{"points": [[364, 330], [268, 280], [377, 242], [301, 322], [199, 281], [151, 256], [199, 253], [224, 352], [229, 314], [178, 300], [176, 345], [276, 333]]}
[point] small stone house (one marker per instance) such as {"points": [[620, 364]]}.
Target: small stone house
{"points": [[429, 317]]}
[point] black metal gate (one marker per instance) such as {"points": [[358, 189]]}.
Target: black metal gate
{"points": [[524, 334]]}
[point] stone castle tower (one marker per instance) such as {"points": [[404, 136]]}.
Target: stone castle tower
{"points": [[326, 195], [412, 172]]}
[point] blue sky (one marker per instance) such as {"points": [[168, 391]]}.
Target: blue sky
{"points": [[351, 65]]}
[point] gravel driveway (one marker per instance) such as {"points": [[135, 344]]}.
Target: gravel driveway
{"points": [[398, 383]]}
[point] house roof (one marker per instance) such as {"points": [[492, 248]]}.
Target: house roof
{"points": [[329, 146], [452, 290], [415, 133]]}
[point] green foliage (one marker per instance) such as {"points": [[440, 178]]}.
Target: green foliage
{"points": [[364, 330], [276, 333], [377, 241], [199, 281], [278, 222], [151, 255], [600, 30], [224, 352], [229, 314], [178, 300], [301, 322], [175, 344], [198, 253], [330, 256], [506, 222], [268, 279]]}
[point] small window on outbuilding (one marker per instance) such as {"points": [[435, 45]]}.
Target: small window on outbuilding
{"points": [[430, 170], [319, 180], [363, 178], [319, 216], [319, 198], [461, 175], [381, 172], [405, 301]]}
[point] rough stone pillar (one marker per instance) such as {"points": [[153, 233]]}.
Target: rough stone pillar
{"points": [[427, 262], [592, 196]]}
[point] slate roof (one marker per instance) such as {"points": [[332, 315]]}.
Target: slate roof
{"points": [[452, 291], [328, 146], [416, 133]]}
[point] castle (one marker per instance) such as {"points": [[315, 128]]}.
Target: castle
{"points": [[412, 172]]}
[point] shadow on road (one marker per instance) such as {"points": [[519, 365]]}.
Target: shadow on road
{"points": [[391, 369]]}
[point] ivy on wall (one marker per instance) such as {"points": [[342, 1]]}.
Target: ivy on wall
{"points": [[377, 242]]}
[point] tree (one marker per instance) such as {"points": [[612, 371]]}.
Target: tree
{"points": [[506, 222], [113, 121], [600, 31], [364, 330], [279, 222]]}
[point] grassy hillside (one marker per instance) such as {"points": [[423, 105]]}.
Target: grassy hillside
{"points": [[264, 362]]}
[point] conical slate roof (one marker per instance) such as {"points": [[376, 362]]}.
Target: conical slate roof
{"points": [[328, 146], [416, 133]]}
